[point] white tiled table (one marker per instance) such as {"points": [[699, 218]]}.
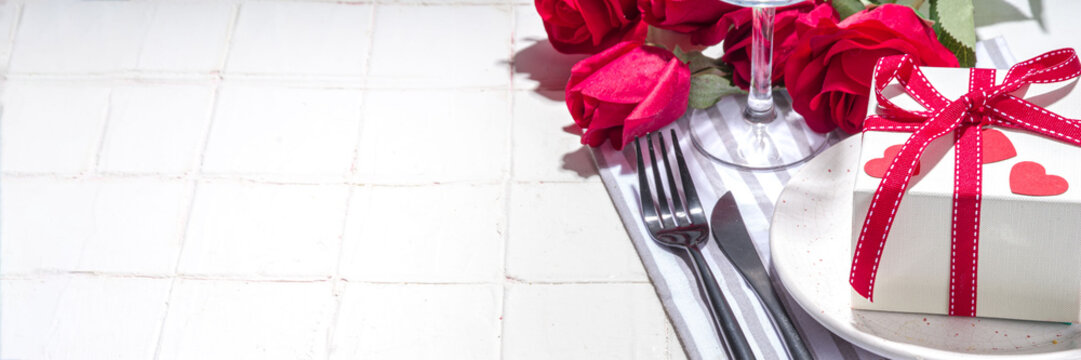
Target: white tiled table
{"points": [[314, 180], [303, 180]]}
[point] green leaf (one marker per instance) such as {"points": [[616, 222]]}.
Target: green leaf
{"points": [[681, 55], [701, 62], [846, 8], [956, 28], [695, 60], [708, 87], [966, 56], [914, 4]]}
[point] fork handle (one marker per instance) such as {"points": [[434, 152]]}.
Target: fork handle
{"points": [[732, 336]]}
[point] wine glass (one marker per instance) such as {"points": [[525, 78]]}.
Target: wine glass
{"points": [[753, 132]]}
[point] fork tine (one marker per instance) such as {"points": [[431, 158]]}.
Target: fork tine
{"points": [[649, 210], [694, 206], [677, 205], [662, 199]]}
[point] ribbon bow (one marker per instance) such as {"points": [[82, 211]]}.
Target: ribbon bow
{"points": [[984, 104]]}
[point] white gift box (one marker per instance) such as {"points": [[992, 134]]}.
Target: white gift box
{"points": [[1029, 246]]}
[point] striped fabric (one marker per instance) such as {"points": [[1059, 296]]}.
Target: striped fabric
{"points": [[756, 194]]}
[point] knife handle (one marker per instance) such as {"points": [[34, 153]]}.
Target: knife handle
{"points": [[732, 336], [796, 349]]}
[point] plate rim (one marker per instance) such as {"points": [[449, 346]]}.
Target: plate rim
{"points": [[872, 343]]}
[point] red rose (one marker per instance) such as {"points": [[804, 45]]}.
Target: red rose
{"points": [[589, 26], [829, 72], [700, 18], [627, 91], [737, 43]]}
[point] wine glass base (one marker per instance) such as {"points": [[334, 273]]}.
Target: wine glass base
{"points": [[726, 135]]}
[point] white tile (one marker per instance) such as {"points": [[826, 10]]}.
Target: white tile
{"points": [[547, 146], [568, 232], [51, 128], [247, 320], [81, 317], [80, 37], [537, 65], [155, 129], [418, 322], [440, 46], [264, 230], [301, 38], [441, 233], [433, 136], [126, 226], [583, 321], [187, 37], [283, 131]]}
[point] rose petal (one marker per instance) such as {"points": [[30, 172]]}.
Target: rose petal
{"points": [[856, 111], [666, 103], [587, 66], [599, 19], [607, 114], [836, 84], [628, 78], [859, 65]]}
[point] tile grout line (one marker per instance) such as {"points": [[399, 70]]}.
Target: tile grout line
{"points": [[298, 81], [508, 184], [215, 277], [371, 45], [668, 338], [197, 168], [336, 281], [185, 223], [257, 178], [96, 165], [354, 165], [230, 33], [328, 279], [153, 10], [217, 94]]}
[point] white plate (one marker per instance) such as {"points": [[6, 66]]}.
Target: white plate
{"points": [[811, 254]]}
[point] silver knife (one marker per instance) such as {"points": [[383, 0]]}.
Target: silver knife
{"points": [[736, 244]]}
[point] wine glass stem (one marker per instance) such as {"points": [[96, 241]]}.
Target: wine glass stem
{"points": [[760, 100]]}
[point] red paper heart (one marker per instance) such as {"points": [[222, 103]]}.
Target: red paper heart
{"points": [[1030, 178], [877, 167], [996, 146]]}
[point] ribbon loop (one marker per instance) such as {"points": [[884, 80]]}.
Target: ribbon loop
{"points": [[985, 104]]}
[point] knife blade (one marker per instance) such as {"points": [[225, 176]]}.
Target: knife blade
{"points": [[736, 244]]}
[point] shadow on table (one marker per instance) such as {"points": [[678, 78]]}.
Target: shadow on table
{"points": [[998, 11], [549, 69], [541, 63], [579, 160]]}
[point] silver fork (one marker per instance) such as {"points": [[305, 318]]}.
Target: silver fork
{"points": [[686, 229]]}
